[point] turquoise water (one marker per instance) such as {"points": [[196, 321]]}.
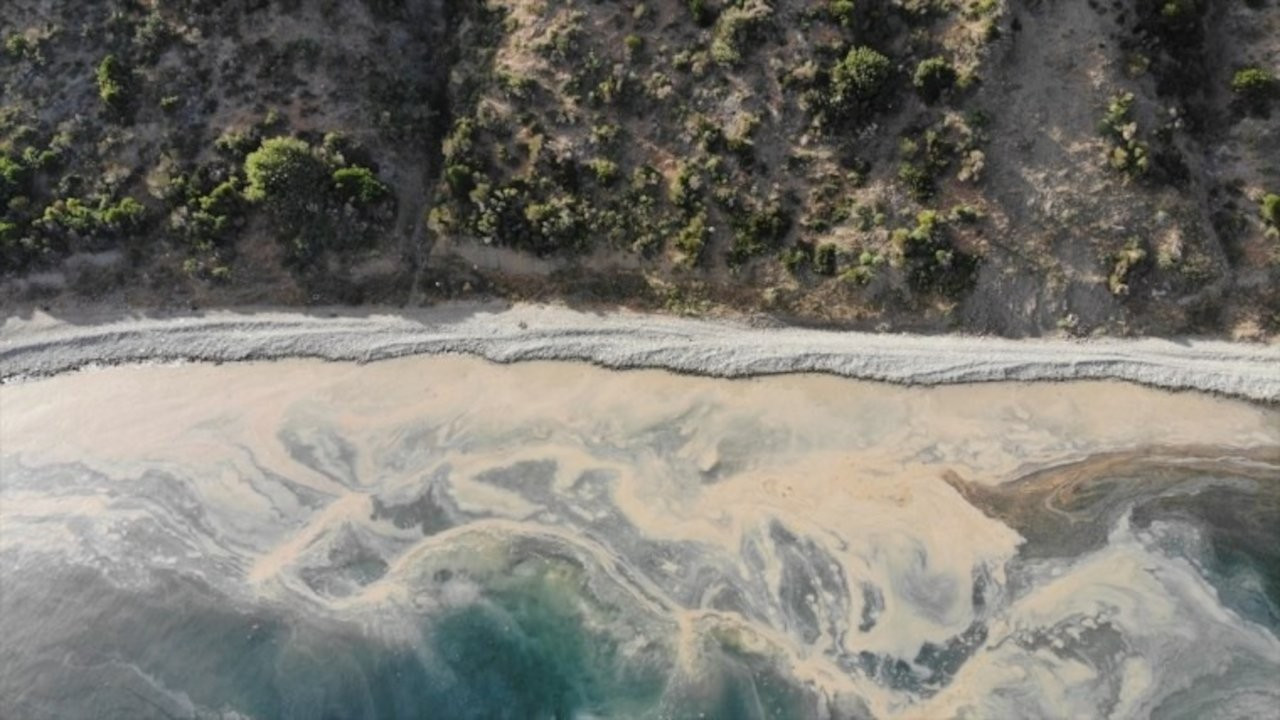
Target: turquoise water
{"points": [[519, 651]]}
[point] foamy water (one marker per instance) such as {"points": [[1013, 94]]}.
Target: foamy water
{"points": [[444, 537]]}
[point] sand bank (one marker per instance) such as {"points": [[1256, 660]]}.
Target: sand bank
{"points": [[42, 345]]}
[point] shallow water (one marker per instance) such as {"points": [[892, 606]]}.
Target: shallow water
{"points": [[446, 538]]}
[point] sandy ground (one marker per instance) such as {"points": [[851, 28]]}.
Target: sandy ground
{"points": [[41, 345]]}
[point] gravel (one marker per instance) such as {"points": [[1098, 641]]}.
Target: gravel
{"points": [[41, 345]]}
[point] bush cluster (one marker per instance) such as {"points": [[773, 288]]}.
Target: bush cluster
{"points": [[558, 204], [932, 262], [33, 228], [1125, 265], [1128, 153], [314, 199], [738, 25], [759, 230]]}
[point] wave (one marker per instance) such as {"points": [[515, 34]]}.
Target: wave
{"points": [[42, 347]]}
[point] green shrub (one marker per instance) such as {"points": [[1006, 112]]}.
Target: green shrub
{"points": [[224, 199], [74, 216], [859, 77], [557, 225], [932, 262], [605, 135], [298, 187], [113, 79], [68, 215], [1177, 10], [153, 36], [842, 11], [796, 257], [514, 216], [605, 170], [359, 186], [933, 77], [918, 180], [864, 270], [824, 260], [125, 216], [1270, 209], [737, 25], [1126, 262], [692, 239], [460, 179], [1255, 86], [686, 189], [761, 230], [14, 178], [1128, 153], [1118, 116], [16, 45], [236, 144]]}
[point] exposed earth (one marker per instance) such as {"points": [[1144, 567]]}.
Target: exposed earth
{"points": [[1014, 167]]}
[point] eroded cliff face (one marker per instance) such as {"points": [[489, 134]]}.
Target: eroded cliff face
{"points": [[986, 165]]}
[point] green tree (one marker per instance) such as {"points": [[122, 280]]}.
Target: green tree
{"points": [[293, 182], [286, 172]]}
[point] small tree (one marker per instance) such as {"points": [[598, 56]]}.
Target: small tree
{"points": [[933, 77], [1254, 86], [292, 181]]}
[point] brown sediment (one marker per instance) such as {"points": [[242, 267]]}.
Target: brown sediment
{"points": [[1065, 510], [803, 489]]}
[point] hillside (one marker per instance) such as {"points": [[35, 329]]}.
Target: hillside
{"points": [[1018, 167]]}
